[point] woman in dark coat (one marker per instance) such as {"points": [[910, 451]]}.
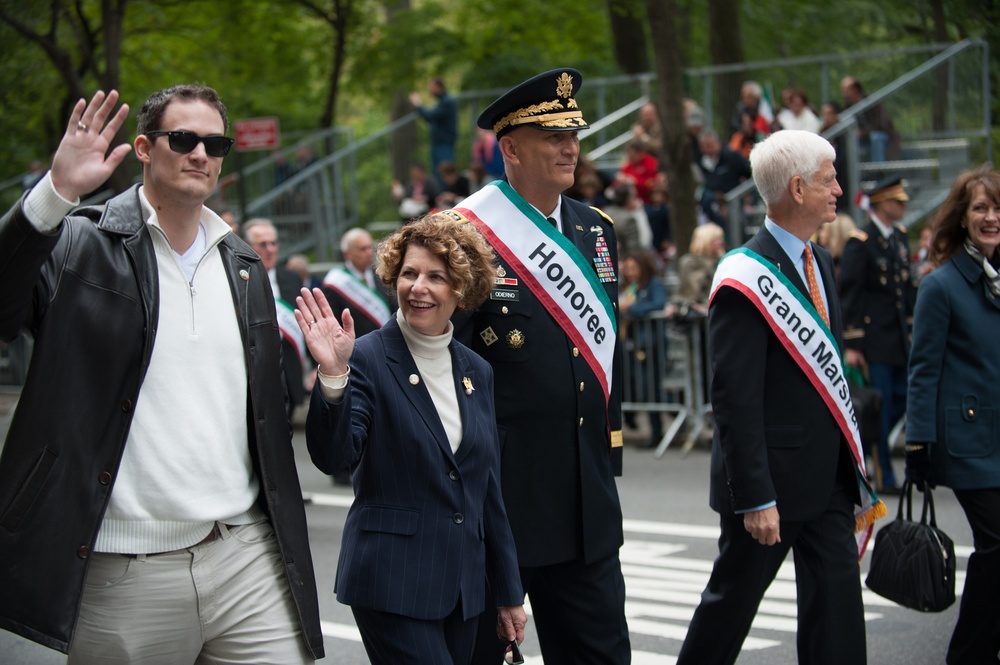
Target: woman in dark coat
{"points": [[953, 404]]}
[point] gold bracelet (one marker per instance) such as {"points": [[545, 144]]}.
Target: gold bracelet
{"points": [[334, 377]]}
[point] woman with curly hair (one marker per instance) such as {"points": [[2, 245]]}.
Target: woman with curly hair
{"points": [[411, 411]]}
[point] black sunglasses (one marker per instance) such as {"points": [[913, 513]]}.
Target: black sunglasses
{"points": [[184, 142]]}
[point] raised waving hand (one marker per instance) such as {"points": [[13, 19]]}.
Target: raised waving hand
{"points": [[82, 162], [330, 343]]}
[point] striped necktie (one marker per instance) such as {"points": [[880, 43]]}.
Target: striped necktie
{"points": [[814, 293]]}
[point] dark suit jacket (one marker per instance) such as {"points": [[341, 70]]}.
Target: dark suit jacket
{"points": [[954, 397], [774, 440], [878, 294], [558, 464], [426, 525], [731, 169], [289, 285]]}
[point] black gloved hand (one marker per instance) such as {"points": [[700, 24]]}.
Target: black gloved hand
{"points": [[918, 462]]}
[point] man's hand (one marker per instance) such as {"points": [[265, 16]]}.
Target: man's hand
{"points": [[82, 163], [510, 623], [763, 525], [855, 358]]}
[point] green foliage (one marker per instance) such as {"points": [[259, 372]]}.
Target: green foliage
{"points": [[274, 57]]}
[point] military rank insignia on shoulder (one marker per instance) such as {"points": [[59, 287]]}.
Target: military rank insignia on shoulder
{"points": [[859, 234], [604, 215]]}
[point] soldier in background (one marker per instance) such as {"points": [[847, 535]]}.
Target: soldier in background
{"points": [[877, 293]]}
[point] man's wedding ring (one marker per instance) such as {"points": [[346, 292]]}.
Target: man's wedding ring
{"points": [[81, 126]]}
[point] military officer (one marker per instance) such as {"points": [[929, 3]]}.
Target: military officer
{"points": [[878, 291], [549, 331]]}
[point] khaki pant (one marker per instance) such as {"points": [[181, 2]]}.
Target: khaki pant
{"points": [[224, 601]]}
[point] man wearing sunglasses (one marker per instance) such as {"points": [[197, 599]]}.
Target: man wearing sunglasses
{"points": [[150, 510]]}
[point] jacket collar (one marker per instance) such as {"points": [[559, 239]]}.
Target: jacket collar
{"points": [[123, 215], [402, 366]]}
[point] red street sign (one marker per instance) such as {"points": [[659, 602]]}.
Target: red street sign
{"points": [[257, 134]]}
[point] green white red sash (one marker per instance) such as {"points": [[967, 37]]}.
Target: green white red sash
{"points": [[361, 297], [289, 327], [798, 326], [552, 267]]}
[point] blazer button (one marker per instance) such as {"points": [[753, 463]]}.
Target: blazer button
{"points": [[83, 552], [126, 405], [104, 478], [576, 352], [972, 412], [458, 518], [504, 309], [581, 386], [581, 422], [453, 474]]}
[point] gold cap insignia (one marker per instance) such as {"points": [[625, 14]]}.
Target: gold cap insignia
{"points": [[564, 85]]}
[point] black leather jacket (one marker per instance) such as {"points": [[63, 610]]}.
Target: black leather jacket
{"points": [[89, 296]]}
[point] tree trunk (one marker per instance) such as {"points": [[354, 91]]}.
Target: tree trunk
{"points": [[112, 25], [628, 33], [403, 143], [725, 44], [939, 100], [676, 142], [339, 20]]}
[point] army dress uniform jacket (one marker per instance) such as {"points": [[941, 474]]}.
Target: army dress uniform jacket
{"points": [[558, 465], [877, 294], [89, 295]]}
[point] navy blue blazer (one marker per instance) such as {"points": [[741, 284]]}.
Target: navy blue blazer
{"points": [[426, 525], [775, 439], [954, 393]]}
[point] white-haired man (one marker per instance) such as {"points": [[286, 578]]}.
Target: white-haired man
{"points": [[354, 286], [787, 471], [262, 235]]}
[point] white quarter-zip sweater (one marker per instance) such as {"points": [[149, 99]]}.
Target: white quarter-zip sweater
{"points": [[187, 462]]}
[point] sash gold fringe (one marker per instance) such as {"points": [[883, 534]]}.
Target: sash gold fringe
{"points": [[868, 518]]}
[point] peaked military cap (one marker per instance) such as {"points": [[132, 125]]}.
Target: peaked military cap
{"points": [[890, 189], [546, 101]]}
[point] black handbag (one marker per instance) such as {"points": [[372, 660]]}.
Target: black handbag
{"points": [[913, 563]]}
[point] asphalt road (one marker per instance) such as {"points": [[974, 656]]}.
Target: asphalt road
{"points": [[670, 543]]}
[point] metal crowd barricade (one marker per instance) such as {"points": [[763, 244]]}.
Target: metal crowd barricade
{"points": [[664, 373]]}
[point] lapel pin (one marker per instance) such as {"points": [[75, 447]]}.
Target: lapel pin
{"points": [[245, 275], [414, 379], [467, 382]]}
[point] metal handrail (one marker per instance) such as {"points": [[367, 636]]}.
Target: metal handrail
{"points": [[847, 125]]}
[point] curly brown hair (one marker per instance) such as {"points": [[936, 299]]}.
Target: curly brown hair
{"points": [[949, 233], [468, 258]]}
